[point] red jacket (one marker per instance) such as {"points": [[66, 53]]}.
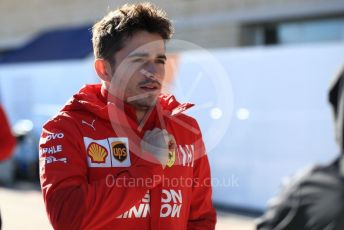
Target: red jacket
{"points": [[94, 175], [7, 140]]}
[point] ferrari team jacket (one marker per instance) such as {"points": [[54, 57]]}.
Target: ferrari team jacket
{"points": [[94, 175]]}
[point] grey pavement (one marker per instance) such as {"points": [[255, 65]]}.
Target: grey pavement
{"points": [[23, 208]]}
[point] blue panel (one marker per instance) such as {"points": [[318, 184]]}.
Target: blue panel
{"points": [[61, 44]]}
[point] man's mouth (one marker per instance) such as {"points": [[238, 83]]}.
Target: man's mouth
{"points": [[150, 87]]}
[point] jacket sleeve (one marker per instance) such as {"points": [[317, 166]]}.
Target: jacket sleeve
{"points": [[71, 200], [309, 201], [283, 212], [202, 213], [7, 140]]}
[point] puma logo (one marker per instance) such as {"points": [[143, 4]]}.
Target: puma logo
{"points": [[89, 124]]}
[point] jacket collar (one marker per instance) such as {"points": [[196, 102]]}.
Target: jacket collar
{"points": [[96, 99]]}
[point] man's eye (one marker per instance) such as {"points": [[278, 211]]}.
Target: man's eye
{"points": [[138, 60], [161, 61]]}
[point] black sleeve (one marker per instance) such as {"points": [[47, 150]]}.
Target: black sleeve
{"points": [[314, 201], [284, 211]]}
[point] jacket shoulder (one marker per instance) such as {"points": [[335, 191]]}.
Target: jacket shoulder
{"points": [[62, 120], [188, 119]]}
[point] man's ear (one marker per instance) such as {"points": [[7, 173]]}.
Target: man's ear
{"points": [[103, 69]]}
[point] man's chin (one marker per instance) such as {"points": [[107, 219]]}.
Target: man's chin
{"points": [[144, 104]]}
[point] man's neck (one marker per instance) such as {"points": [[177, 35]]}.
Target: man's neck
{"points": [[140, 114]]}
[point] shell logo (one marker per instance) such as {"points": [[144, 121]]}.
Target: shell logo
{"points": [[119, 150], [97, 153]]}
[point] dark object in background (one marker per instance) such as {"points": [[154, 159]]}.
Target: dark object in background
{"points": [[315, 200], [26, 156], [7, 140], [23, 164], [7, 147]]}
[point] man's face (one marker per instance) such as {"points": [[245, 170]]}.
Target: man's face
{"points": [[139, 69]]}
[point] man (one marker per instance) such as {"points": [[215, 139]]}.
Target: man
{"points": [[315, 199], [121, 155]]}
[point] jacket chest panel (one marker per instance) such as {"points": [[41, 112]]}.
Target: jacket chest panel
{"points": [[107, 154]]}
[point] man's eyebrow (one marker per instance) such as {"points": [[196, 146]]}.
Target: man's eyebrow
{"points": [[160, 56], [138, 55]]}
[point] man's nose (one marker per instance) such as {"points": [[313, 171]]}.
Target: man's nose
{"points": [[149, 70], [151, 67]]}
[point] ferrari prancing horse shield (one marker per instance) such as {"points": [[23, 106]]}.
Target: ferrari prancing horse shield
{"points": [[171, 157]]}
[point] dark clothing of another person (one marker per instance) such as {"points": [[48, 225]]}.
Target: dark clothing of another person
{"points": [[314, 200]]}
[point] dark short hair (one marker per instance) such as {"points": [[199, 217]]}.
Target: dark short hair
{"points": [[336, 98], [109, 34], [336, 90]]}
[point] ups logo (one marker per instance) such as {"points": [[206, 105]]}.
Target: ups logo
{"points": [[119, 150]]}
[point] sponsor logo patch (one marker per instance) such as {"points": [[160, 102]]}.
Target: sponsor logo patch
{"points": [[120, 154], [119, 150], [97, 153], [109, 152]]}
